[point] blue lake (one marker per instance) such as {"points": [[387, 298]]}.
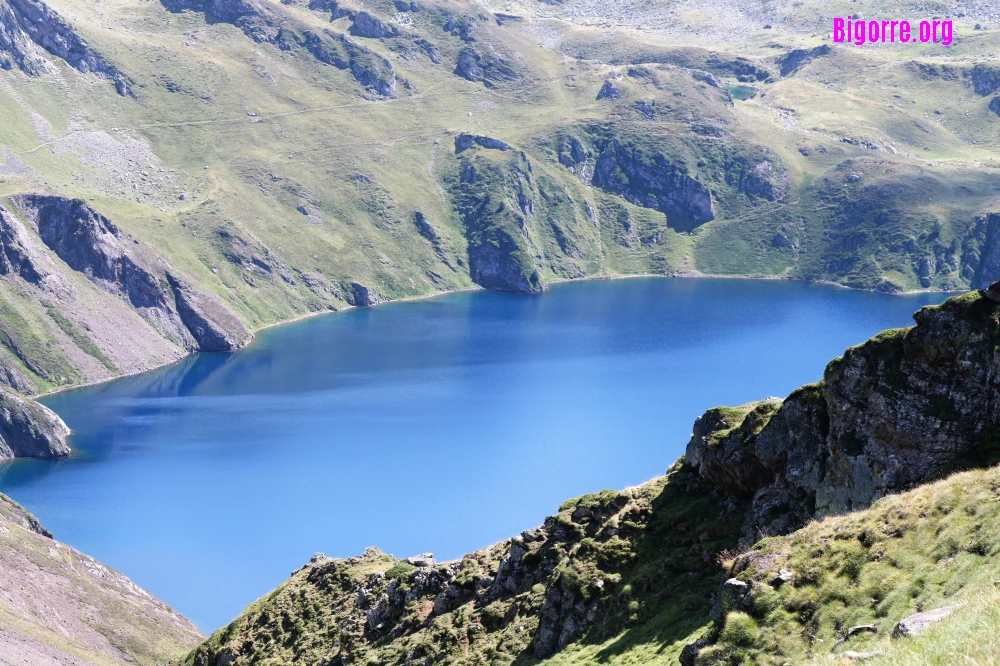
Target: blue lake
{"points": [[441, 425]]}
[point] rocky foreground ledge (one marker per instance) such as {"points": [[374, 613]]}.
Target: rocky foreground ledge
{"points": [[636, 574]]}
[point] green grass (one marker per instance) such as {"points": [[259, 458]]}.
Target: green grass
{"points": [[931, 547]]}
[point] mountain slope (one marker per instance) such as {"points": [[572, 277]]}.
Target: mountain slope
{"points": [[61, 606], [633, 576], [225, 165]]}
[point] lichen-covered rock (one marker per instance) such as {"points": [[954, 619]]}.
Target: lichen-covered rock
{"points": [[906, 407], [30, 430]]}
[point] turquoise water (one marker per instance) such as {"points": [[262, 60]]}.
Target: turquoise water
{"points": [[442, 425]]}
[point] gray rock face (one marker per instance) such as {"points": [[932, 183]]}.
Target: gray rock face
{"points": [[608, 91], [985, 79], [212, 325], [28, 429], [653, 182], [361, 296], [90, 243], [465, 141], [921, 622], [794, 60], [488, 69], [981, 251], [366, 25], [16, 257], [25, 24], [906, 407]]}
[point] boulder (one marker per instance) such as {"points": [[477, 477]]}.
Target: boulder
{"points": [[421, 560], [921, 622]]}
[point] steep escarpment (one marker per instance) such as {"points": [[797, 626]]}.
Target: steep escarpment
{"points": [[905, 407], [75, 288], [61, 606], [91, 244], [29, 29], [30, 430]]}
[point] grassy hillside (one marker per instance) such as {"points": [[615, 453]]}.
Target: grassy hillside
{"points": [[277, 154], [61, 606], [929, 548]]}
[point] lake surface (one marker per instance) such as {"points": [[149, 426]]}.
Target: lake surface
{"points": [[442, 425]]}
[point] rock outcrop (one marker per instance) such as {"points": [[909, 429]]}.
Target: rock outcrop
{"points": [[797, 58], [495, 202], [465, 141], [367, 25], [649, 179], [16, 255], [985, 79], [29, 26], [362, 296], [603, 563], [906, 407], [91, 244], [609, 90], [981, 251], [487, 68], [30, 430]]}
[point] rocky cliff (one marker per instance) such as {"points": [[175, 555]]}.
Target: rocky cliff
{"points": [[905, 407], [91, 244], [29, 430], [29, 30]]}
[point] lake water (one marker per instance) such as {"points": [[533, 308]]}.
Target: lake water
{"points": [[441, 425]]}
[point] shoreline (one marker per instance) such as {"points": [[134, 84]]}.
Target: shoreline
{"points": [[680, 275]]}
